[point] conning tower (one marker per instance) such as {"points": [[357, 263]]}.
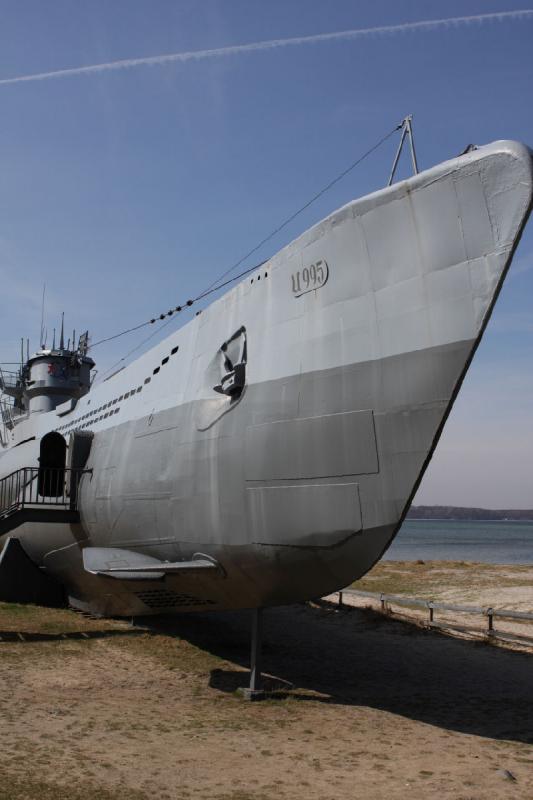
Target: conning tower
{"points": [[52, 377], [55, 376]]}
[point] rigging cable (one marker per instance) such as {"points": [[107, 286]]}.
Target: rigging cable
{"points": [[216, 285], [151, 336], [309, 202]]}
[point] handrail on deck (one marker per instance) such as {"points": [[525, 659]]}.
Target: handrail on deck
{"points": [[40, 486]]}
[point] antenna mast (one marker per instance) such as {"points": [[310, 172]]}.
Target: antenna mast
{"points": [[42, 342], [62, 337], [407, 130]]}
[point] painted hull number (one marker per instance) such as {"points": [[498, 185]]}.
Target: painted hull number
{"points": [[309, 278]]}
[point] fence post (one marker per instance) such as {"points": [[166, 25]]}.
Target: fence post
{"points": [[340, 599], [431, 611], [490, 617], [383, 606]]}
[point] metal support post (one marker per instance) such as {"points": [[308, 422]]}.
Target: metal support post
{"points": [[408, 123], [407, 130], [490, 617], [256, 653], [254, 691], [398, 153]]}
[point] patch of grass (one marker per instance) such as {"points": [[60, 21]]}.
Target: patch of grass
{"points": [[173, 653], [39, 619], [26, 788], [244, 795], [428, 578]]}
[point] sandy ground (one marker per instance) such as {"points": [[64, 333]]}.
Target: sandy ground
{"points": [[457, 582], [368, 708]]}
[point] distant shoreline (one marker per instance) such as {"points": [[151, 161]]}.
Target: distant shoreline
{"points": [[466, 519], [464, 514]]}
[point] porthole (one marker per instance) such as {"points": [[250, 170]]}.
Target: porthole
{"points": [[165, 360], [156, 370], [174, 351]]}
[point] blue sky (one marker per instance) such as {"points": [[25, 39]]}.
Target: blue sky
{"points": [[130, 190]]}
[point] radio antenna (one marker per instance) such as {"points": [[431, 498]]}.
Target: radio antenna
{"points": [[41, 338], [62, 337]]}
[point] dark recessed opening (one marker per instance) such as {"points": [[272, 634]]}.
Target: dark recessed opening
{"points": [[52, 457]]}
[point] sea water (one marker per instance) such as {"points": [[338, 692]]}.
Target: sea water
{"points": [[497, 542]]}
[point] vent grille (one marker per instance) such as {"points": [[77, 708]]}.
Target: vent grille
{"points": [[167, 599]]}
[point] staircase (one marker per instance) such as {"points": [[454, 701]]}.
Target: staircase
{"points": [[35, 494]]}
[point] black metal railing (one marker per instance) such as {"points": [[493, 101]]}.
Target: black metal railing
{"points": [[33, 487]]}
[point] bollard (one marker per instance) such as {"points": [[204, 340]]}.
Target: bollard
{"points": [[340, 599], [431, 611]]}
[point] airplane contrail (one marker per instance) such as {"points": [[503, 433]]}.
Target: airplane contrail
{"points": [[219, 52]]}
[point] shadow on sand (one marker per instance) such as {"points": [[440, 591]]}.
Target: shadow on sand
{"points": [[357, 657]]}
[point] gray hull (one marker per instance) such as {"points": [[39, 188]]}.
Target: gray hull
{"points": [[357, 337]]}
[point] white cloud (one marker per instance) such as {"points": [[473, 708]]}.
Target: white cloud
{"points": [[272, 44]]}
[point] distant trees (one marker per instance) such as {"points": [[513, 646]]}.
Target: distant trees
{"points": [[459, 512]]}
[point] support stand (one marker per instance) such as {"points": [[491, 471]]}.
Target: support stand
{"points": [[407, 131], [254, 691]]}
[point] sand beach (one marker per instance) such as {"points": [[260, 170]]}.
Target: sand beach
{"points": [[366, 706]]}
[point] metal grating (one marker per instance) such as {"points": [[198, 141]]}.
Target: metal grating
{"points": [[163, 598]]}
